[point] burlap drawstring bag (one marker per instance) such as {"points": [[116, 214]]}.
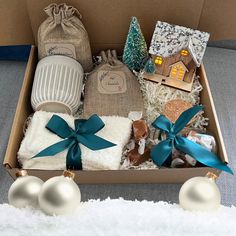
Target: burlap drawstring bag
{"points": [[112, 89], [63, 33]]}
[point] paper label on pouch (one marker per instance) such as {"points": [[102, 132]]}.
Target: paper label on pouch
{"points": [[111, 82], [65, 49]]}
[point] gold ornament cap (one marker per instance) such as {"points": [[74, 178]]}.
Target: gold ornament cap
{"points": [[212, 176], [21, 173], [69, 174]]}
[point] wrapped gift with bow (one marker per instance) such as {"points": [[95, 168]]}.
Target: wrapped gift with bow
{"points": [[162, 151], [58, 141]]}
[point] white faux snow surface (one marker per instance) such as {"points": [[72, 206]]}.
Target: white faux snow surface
{"points": [[118, 217]]}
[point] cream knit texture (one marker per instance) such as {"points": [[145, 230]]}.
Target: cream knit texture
{"points": [[37, 137]]}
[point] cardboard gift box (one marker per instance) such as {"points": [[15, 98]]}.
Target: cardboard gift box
{"points": [[107, 24]]}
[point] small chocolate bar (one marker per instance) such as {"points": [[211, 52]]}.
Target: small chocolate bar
{"points": [[206, 140], [180, 159]]}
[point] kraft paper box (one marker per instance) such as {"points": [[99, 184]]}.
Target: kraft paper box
{"points": [[107, 28]]}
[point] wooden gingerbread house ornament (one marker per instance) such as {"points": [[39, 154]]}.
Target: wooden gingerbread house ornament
{"points": [[176, 52]]}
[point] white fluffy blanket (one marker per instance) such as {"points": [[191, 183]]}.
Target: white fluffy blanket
{"points": [[119, 217], [37, 137]]}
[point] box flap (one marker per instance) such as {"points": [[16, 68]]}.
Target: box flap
{"points": [[107, 21], [15, 24], [218, 17]]}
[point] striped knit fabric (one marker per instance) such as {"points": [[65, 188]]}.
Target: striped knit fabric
{"points": [[58, 79]]}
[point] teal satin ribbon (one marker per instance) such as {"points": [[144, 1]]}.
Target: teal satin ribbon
{"points": [[162, 150], [84, 133]]}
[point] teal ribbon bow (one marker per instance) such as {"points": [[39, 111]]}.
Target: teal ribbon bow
{"points": [[162, 150], [84, 133]]}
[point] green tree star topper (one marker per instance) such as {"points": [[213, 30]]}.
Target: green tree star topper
{"points": [[135, 52]]}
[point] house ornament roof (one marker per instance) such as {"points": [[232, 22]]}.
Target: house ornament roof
{"points": [[169, 39]]}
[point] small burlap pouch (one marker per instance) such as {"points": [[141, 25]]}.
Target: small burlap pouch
{"points": [[63, 33], [112, 89]]}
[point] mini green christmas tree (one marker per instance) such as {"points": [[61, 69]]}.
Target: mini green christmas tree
{"points": [[150, 66], [135, 51]]}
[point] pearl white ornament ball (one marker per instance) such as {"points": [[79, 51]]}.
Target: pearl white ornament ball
{"points": [[24, 191], [59, 195], [200, 194]]}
